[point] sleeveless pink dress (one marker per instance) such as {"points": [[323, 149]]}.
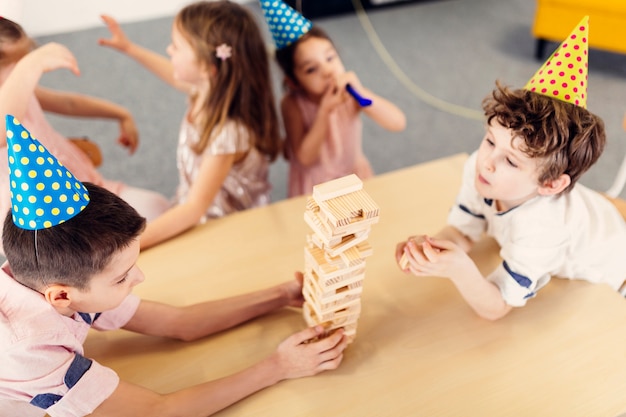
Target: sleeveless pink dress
{"points": [[341, 152]]}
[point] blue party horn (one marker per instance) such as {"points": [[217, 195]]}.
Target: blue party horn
{"points": [[363, 102]]}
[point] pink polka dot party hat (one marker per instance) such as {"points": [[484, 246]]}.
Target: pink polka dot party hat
{"points": [[564, 75], [43, 192]]}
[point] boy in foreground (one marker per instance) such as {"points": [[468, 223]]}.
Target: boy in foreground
{"points": [[520, 187], [71, 250]]}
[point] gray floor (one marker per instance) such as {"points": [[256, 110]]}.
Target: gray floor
{"points": [[452, 49]]}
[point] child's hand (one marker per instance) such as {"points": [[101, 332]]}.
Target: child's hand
{"points": [[351, 78], [293, 290], [129, 136], [402, 258], [52, 56], [298, 357], [624, 122], [332, 97], [118, 39], [436, 257]]}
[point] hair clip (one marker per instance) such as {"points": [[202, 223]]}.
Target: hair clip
{"points": [[223, 52]]}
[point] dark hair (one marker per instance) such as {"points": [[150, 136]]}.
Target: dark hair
{"points": [[10, 32], [284, 55], [241, 89], [72, 252], [569, 137]]}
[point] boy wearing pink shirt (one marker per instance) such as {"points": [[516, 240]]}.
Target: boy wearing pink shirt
{"points": [[71, 251]]}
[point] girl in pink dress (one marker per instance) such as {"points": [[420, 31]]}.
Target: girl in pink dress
{"points": [[230, 132], [322, 120]]}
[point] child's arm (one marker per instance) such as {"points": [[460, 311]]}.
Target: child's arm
{"points": [[294, 358], [78, 105], [17, 89], [446, 256], [213, 171], [382, 111], [158, 64], [203, 319], [306, 145]]}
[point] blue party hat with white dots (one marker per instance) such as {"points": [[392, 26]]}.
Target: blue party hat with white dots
{"points": [[43, 192], [286, 24]]}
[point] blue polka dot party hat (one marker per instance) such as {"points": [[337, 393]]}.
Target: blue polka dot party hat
{"points": [[286, 24], [43, 192]]}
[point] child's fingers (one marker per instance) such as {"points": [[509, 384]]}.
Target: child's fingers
{"points": [[110, 22], [432, 254], [400, 251], [331, 364], [305, 335], [299, 277]]}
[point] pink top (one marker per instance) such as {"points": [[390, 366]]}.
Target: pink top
{"points": [[247, 183], [67, 153], [43, 368], [341, 153]]}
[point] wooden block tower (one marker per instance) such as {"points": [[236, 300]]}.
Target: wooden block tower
{"points": [[340, 214]]}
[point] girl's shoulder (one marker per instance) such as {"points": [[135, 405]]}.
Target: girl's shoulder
{"points": [[233, 137]]}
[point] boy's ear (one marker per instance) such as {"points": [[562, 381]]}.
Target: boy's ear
{"points": [[556, 186], [58, 296]]}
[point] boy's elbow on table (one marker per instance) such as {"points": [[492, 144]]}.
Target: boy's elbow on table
{"points": [[495, 313]]}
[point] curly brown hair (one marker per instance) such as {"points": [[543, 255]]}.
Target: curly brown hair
{"points": [[569, 139]]}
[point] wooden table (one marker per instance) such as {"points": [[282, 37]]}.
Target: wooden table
{"points": [[419, 351]]}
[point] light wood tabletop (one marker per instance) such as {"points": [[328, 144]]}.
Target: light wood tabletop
{"points": [[419, 349]]}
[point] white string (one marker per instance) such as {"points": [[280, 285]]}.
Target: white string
{"points": [[426, 97], [36, 250]]}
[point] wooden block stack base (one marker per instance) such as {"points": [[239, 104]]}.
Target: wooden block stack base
{"points": [[340, 214]]}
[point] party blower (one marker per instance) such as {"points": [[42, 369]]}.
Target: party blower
{"points": [[363, 101]]}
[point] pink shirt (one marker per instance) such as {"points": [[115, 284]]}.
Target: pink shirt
{"points": [[341, 153], [43, 368]]}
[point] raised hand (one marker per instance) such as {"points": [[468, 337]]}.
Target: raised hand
{"points": [[118, 39], [52, 56]]}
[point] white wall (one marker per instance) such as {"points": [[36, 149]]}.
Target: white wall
{"points": [[45, 17]]}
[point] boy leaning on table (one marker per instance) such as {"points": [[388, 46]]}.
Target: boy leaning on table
{"points": [[520, 188], [71, 250]]}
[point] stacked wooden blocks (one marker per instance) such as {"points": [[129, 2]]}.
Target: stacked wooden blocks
{"points": [[340, 214]]}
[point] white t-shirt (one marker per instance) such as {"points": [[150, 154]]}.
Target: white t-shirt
{"points": [[579, 235]]}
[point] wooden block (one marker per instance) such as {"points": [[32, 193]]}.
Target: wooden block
{"points": [[334, 281], [326, 265], [337, 318], [349, 329], [351, 208], [332, 303], [347, 242], [350, 286], [340, 186]]}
